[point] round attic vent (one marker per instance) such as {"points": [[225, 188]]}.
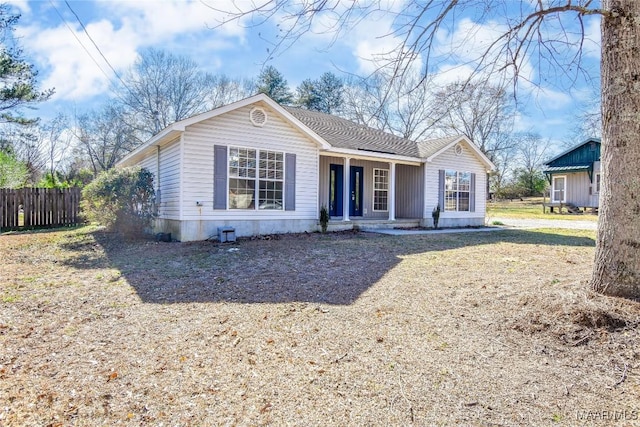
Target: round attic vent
{"points": [[258, 116], [457, 149]]}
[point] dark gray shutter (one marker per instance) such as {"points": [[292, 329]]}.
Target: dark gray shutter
{"points": [[441, 189], [219, 177], [290, 182], [472, 194]]}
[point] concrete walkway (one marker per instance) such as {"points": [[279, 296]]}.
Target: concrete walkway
{"points": [[401, 232], [506, 224], [546, 223]]}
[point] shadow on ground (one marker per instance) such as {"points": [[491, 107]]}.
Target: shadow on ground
{"points": [[331, 269]]}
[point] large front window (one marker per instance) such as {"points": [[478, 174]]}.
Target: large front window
{"points": [[457, 191], [255, 175], [380, 189]]}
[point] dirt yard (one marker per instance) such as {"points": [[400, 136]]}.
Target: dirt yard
{"points": [[341, 329]]}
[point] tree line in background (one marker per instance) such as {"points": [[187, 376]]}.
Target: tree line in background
{"points": [[162, 88]]}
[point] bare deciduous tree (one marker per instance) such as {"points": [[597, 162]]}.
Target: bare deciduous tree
{"points": [[162, 88], [482, 111], [402, 107], [104, 138]]}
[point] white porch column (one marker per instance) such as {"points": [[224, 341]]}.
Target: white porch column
{"points": [[347, 189], [392, 191]]}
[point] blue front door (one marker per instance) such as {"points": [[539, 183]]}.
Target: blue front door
{"points": [[355, 201], [336, 182]]}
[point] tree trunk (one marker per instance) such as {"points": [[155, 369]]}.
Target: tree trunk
{"points": [[617, 262]]}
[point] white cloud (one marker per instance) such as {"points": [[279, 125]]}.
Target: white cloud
{"points": [[21, 5], [124, 27], [592, 39]]}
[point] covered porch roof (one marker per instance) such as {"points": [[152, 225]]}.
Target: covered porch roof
{"points": [[551, 170]]}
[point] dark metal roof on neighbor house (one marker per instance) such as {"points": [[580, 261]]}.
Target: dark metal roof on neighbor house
{"points": [[567, 168], [583, 154], [343, 133]]}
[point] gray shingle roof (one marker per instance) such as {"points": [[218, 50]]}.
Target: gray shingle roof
{"points": [[343, 133]]}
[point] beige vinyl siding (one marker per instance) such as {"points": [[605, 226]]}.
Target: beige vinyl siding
{"points": [[578, 189], [409, 191], [235, 129], [466, 162], [150, 163], [169, 184]]}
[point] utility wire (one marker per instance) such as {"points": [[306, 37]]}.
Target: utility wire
{"points": [[96, 46], [79, 41]]}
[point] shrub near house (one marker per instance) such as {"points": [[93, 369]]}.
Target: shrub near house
{"points": [[122, 200]]}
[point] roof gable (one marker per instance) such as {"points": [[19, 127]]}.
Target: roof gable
{"points": [[435, 147], [583, 154]]}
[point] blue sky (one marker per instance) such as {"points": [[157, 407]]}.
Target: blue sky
{"points": [[121, 29]]}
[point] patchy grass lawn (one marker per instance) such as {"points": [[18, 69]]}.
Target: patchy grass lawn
{"points": [[531, 208], [338, 329]]}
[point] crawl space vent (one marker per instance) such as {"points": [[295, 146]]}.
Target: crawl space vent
{"points": [[258, 117]]}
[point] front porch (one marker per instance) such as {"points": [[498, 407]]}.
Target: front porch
{"points": [[338, 224], [368, 192]]}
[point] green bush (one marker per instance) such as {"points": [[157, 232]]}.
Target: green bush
{"points": [[122, 200]]}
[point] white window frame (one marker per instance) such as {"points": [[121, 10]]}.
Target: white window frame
{"points": [[381, 190], [457, 191], [597, 182], [553, 189], [256, 179]]}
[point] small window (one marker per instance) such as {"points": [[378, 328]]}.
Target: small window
{"points": [[598, 183], [457, 191], [380, 190]]}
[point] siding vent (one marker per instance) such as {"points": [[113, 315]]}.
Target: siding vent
{"points": [[457, 149], [258, 117]]}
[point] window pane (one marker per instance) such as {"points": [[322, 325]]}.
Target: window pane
{"points": [[450, 200], [464, 181], [270, 195], [463, 201], [451, 181], [241, 193]]}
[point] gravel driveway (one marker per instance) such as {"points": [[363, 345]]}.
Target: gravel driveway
{"points": [[545, 223]]}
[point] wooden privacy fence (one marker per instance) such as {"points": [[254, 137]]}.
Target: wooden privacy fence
{"points": [[38, 207]]}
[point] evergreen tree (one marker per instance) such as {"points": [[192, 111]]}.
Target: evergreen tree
{"points": [[273, 84], [323, 94], [18, 84]]}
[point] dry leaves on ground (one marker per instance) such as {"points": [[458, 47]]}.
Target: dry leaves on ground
{"points": [[339, 329]]}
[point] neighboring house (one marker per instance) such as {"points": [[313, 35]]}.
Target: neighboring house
{"points": [[574, 175], [262, 168]]}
